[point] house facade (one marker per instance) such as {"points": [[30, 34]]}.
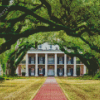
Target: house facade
{"points": [[49, 60]]}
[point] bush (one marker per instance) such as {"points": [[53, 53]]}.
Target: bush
{"points": [[2, 78], [15, 75], [85, 74], [23, 73], [97, 75]]}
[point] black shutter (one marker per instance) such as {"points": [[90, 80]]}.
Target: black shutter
{"points": [[43, 60], [38, 71], [58, 71], [71, 60], [67, 60], [34, 71], [29, 71], [29, 60], [63, 71], [34, 60], [43, 71], [38, 60], [63, 59], [58, 60], [71, 71]]}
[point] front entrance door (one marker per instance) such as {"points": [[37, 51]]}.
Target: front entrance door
{"points": [[50, 72]]}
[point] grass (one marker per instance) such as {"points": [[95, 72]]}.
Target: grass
{"points": [[23, 88], [76, 89]]}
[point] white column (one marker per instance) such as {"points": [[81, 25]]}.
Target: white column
{"points": [[36, 64], [46, 69], [55, 64], [74, 67], [65, 66], [27, 74], [84, 69]]}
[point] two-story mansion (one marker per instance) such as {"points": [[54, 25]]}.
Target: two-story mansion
{"points": [[48, 60]]}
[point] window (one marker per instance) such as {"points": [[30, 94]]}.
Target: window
{"points": [[50, 60], [32, 60], [50, 46], [40, 46], [60, 60], [40, 70], [60, 72], [69, 60], [40, 60], [32, 72], [56, 48]]}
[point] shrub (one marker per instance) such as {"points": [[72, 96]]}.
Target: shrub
{"points": [[2, 78], [85, 74], [15, 75], [23, 73], [97, 75]]}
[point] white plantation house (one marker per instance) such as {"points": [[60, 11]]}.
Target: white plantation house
{"points": [[48, 60]]}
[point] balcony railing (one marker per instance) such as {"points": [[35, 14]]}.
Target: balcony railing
{"points": [[50, 62]]}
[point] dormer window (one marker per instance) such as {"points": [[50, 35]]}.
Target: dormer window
{"points": [[56, 48], [50, 46], [40, 46]]}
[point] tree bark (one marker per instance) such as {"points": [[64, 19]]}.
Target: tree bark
{"points": [[10, 70], [91, 71]]}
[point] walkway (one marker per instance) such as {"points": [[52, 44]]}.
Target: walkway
{"points": [[50, 91]]}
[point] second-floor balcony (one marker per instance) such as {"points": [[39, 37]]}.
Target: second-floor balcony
{"points": [[31, 60], [60, 60], [70, 60], [51, 60], [41, 60]]}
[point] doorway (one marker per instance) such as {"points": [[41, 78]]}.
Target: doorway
{"points": [[50, 70]]}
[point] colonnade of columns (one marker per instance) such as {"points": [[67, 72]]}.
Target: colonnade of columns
{"points": [[46, 64]]}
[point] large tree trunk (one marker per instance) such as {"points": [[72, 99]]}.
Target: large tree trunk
{"points": [[11, 69], [92, 71]]}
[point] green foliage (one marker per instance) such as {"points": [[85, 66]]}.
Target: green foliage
{"points": [[1, 78], [23, 73], [78, 18], [97, 75]]}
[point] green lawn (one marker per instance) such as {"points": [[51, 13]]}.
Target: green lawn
{"points": [[20, 89], [76, 89], [25, 88]]}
